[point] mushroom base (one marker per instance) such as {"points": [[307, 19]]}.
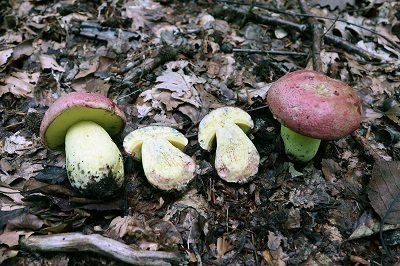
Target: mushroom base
{"points": [[299, 147], [93, 161]]}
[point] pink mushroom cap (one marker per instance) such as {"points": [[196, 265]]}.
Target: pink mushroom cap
{"points": [[315, 105], [74, 107]]}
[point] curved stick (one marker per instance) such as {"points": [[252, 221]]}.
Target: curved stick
{"points": [[75, 242]]}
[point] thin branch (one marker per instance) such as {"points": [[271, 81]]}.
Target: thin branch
{"points": [[274, 52], [317, 32], [333, 40], [275, 21], [290, 13], [349, 47], [77, 242], [368, 148]]}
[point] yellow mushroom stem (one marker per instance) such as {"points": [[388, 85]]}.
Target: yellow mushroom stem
{"points": [[93, 161], [236, 156], [297, 146], [165, 166]]}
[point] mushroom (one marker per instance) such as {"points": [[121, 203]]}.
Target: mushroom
{"points": [[160, 148], [312, 107], [82, 122], [236, 157]]}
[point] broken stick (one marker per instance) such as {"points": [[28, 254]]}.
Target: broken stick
{"points": [[76, 242]]}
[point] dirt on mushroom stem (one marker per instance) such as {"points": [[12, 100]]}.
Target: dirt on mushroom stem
{"points": [[99, 187]]}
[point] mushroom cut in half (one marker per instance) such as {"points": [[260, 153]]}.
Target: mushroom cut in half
{"points": [[83, 123], [160, 149], [312, 107], [236, 157]]}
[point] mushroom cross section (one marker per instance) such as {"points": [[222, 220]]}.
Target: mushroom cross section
{"points": [[236, 158], [160, 149], [82, 122], [312, 107]]}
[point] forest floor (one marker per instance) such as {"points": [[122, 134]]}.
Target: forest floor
{"points": [[170, 63]]}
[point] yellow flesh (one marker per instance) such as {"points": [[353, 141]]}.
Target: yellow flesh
{"points": [[236, 158], [165, 166], [134, 140], [218, 118], [55, 133], [92, 157]]}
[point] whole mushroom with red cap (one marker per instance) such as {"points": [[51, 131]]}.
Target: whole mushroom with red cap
{"points": [[312, 107], [83, 123]]}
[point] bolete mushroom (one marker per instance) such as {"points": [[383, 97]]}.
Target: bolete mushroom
{"points": [[82, 122], [160, 149], [236, 157], [312, 107]]}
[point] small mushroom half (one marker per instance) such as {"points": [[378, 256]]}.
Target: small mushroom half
{"points": [[83, 123], [160, 149], [236, 158]]}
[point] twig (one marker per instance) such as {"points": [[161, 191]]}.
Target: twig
{"points": [[291, 13], [257, 51], [228, 48], [317, 32], [245, 17], [74, 242], [367, 146], [333, 40], [276, 21], [349, 47]]}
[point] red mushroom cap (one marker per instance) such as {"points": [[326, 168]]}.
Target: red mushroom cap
{"points": [[315, 105], [75, 107]]}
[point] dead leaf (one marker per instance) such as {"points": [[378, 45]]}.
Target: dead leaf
{"points": [[275, 249], [49, 62], [144, 245], [333, 4], [223, 246], [367, 225], [5, 55], [167, 233], [127, 225], [384, 190], [6, 253], [11, 238], [394, 114], [140, 12], [88, 67], [23, 49], [13, 194], [34, 186], [17, 144], [175, 90], [23, 222], [19, 84]]}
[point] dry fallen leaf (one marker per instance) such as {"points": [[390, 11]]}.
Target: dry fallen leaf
{"points": [[384, 190], [5, 55], [49, 62], [394, 114], [19, 84], [223, 246], [127, 225], [333, 4], [6, 253]]}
